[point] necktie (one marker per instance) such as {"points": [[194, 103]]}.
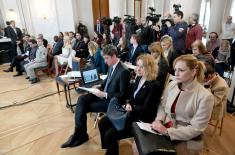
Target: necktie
{"points": [[109, 78]]}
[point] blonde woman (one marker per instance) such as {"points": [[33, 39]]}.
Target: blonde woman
{"points": [[169, 52], [186, 107], [96, 59], [162, 64], [142, 105], [63, 58]]}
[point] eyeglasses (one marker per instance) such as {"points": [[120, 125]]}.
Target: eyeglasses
{"points": [[194, 49]]}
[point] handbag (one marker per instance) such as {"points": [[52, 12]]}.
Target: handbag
{"points": [[117, 114]]}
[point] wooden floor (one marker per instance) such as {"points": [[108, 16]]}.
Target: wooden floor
{"points": [[41, 126]]}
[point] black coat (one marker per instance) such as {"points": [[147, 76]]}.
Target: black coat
{"points": [[119, 84], [146, 101]]}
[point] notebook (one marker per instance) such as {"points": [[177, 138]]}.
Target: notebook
{"points": [[90, 77]]}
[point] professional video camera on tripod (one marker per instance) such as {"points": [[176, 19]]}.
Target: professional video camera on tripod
{"points": [[151, 32]]}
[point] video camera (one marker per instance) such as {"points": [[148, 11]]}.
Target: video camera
{"points": [[117, 20], [106, 21], [153, 17], [177, 7], [129, 19]]}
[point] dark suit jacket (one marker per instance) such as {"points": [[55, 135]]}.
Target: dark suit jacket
{"points": [[171, 57], [119, 84], [101, 28], [163, 69], [57, 48], [146, 101], [138, 51], [10, 33]]}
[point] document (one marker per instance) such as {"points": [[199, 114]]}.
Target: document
{"points": [[74, 74], [91, 90], [147, 127]]}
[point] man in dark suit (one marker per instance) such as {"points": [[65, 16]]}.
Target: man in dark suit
{"points": [[115, 85], [16, 38], [57, 47], [135, 49], [99, 27]]}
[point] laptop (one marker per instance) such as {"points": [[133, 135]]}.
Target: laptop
{"points": [[90, 77]]}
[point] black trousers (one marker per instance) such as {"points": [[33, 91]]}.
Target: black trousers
{"points": [[16, 62], [88, 103], [110, 136]]}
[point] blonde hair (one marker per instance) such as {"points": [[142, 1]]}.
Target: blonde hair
{"points": [[201, 48], [156, 47], [150, 67], [167, 39], [193, 63], [93, 46], [67, 42]]}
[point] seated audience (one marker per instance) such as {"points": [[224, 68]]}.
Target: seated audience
{"points": [[142, 105], [45, 42], [222, 55], [96, 59], [106, 40], [17, 59], [161, 62], [186, 107], [213, 42], [115, 85], [122, 49], [72, 38], [135, 50], [169, 52], [39, 61], [200, 52], [98, 38], [219, 88], [31, 54], [64, 57]]}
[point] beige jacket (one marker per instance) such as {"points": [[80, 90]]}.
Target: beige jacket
{"points": [[193, 110], [219, 89]]}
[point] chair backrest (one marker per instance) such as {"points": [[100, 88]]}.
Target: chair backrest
{"points": [[76, 63]]}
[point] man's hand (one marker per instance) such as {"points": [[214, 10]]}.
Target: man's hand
{"points": [[128, 107], [100, 94], [96, 86]]}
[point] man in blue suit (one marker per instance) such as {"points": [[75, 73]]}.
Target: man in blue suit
{"points": [[135, 49], [115, 85]]}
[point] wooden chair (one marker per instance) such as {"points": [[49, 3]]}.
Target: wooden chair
{"points": [[217, 120]]}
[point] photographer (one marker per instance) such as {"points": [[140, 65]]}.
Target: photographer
{"points": [[117, 30], [178, 32]]}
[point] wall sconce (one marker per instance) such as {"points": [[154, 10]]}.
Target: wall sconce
{"points": [[11, 15]]}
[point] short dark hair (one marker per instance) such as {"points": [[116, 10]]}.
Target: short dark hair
{"points": [[179, 13], [210, 68], [110, 50], [8, 23], [137, 38]]}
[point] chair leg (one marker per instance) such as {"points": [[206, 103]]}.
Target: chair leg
{"points": [[216, 126], [221, 126], [58, 88]]}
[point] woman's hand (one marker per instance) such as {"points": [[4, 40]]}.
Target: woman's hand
{"points": [[128, 107], [157, 125]]}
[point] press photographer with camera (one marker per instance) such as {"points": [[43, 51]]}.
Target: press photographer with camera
{"points": [[130, 26]]}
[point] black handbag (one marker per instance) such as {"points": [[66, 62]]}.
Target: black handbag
{"points": [[117, 114]]}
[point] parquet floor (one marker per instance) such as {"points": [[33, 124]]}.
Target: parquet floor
{"points": [[41, 126]]}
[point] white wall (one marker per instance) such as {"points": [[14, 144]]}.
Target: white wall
{"points": [[85, 14], [117, 8]]}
